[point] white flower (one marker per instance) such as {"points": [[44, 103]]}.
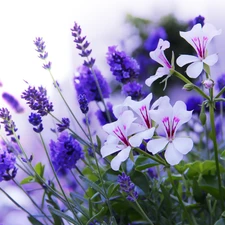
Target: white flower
{"points": [[117, 141], [159, 56], [170, 119], [199, 38]]}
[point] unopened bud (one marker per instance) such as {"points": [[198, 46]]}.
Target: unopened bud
{"points": [[202, 115], [209, 83], [188, 87]]}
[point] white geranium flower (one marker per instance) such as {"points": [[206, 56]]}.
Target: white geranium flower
{"points": [[199, 38], [159, 56], [170, 119]]}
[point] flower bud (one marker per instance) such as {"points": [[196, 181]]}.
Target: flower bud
{"points": [[202, 115], [188, 87], [209, 83]]}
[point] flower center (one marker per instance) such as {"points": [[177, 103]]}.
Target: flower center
{"points": [[200, 46], [170, 127], [145, 115], [117, 131]]}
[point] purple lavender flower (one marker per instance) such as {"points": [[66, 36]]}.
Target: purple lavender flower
{"points": [[9, 125], [123, 67], [37, 100], [7, 165], [81, 45], [152, 41], [85, 84], [65, 152], [194, 103], [102, 117], [133, 89], [83, 103], [221, 83], [12, 102], [65, 124], [36, 120], [40, 45], [128, 187], [199, 19]]}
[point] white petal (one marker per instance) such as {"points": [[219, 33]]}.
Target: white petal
{"points": [[121, 157], [161, 71], [211, 59], [137, 139], [195, 69], [172, 156], [110, 149], [183, 145], [156, 145], [185, 59], [160, 101], [210, 31]]}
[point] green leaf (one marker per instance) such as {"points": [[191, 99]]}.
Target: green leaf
{"points": [[140, 180], [39, 168], [198, 194], [166, 200], [61, 214], [95, 216], [27, 180], [111, 189], [34, 221], [142, 163], [222, 156], [93, 185]]}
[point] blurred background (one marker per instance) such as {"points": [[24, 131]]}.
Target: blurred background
{"points": [[105, 23]]}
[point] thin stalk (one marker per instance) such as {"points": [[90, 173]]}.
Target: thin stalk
{"points": [[96, 161], [57, 179], [21, 188], [189, 217], [220, 93], [158, 159], [213, 137]]}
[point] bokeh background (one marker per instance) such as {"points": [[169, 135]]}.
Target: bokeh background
{"points": [[103, 21]]}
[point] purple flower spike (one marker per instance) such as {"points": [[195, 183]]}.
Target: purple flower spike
{"points": [[64, 125], [83, 103], [128, 187], [133, 89], [123, 67], [36, 120], [12, 102], [65, 152]]}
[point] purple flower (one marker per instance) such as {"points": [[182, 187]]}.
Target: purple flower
{"points": [[133, 89], [152, 41], [9, 125], [102, 117], [85, 84], [37, 100], [128, 187], [199, 19], [82, 45], [65, 152], [12, 102], [123, 67], [36, 120], [7, 165], [83, 103], [65, 124], [194, 103]]}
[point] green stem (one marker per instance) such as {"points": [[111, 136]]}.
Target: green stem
{"points": [[196, 88], [189, 217], [213, 137], [156, 159], [57, 179], [143, 213], [220, 93]]}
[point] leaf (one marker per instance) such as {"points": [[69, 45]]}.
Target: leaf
{"points": [[96, 215], [34, 221], [166, 200], [222, 156], [140, 180], [39, 169], [221, 221], [93, 185], [61, 214], [111, 189], [143, 163], [27, 180]]}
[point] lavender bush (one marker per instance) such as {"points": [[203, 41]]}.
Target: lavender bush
{"points": [[158, 163]]}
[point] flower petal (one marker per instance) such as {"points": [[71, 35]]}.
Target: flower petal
{"points": [[172, 156], [109, 149], [137, 139], [211, 60], [185, 59], [195, 69], [161, 71], [183, 145], [121, 157], [156, 145]]}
